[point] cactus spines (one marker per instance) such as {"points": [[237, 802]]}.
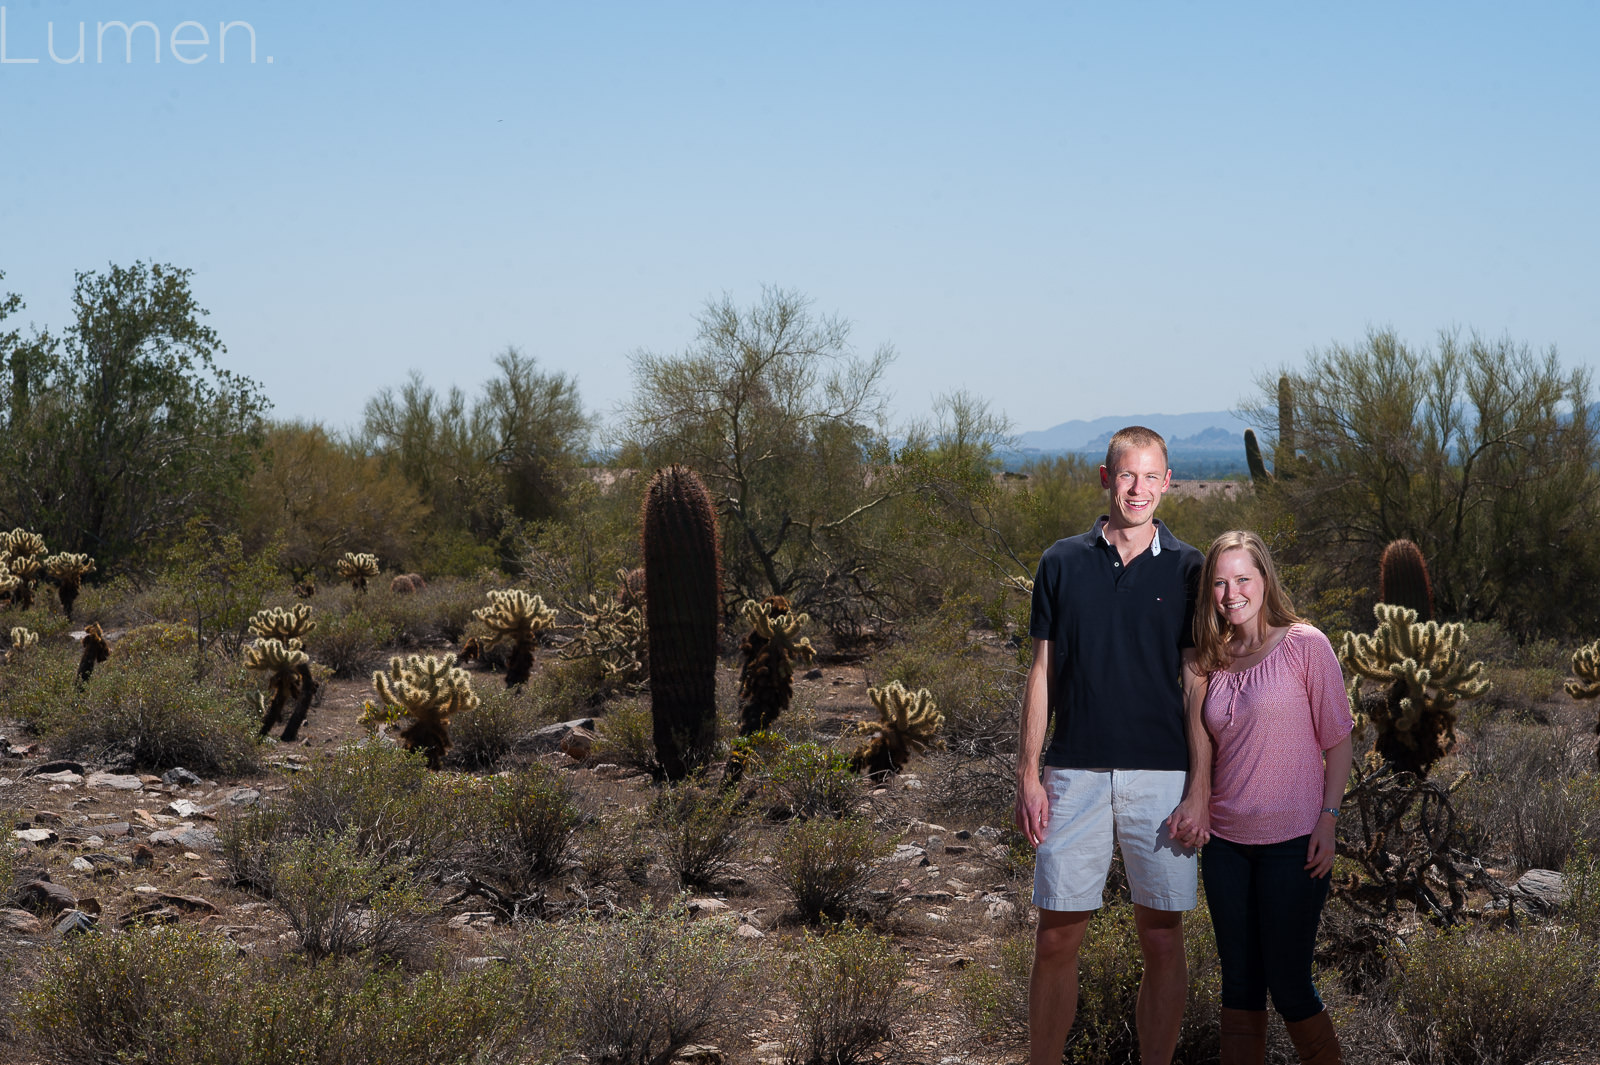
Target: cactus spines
{"points": [[1283, 456], [23, 555], [1403, 579], [95, 649], [68, 570], [770, 651], [1586, 685], [514, 614], [683, 581], [19, 543], [288, 672], [8, 582], [21, 640], [1252, 457], [907, 722], [630, 588], [357, 567], [614, 635], [428, 690], [275, 624], [1427, 674]]}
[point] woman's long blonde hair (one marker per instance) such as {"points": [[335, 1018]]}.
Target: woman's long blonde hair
{"points": [[1211, 632]]}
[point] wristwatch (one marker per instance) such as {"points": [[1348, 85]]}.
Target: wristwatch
{"points": [[1334, 810]]}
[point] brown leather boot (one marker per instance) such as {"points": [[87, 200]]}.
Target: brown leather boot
{"points": [[1244, 1037], [1315, 1041]]}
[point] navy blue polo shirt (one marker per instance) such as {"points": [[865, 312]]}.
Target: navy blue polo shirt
{"points": [[1117, 635]]}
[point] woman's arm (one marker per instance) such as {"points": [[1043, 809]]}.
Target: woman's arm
{"points": [[1190, 823], [1335, 775]]}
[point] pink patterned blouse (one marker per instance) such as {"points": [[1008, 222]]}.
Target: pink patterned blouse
{"points": [[1270, 724]]}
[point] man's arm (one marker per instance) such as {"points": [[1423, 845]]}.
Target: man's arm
{"points": [[1033, 807], [1190, 823]]}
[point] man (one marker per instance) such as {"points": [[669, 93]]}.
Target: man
{"points": [[1112, 610]]}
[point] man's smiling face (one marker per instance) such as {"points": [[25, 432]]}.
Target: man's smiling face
{"points": [[1137, 478]]}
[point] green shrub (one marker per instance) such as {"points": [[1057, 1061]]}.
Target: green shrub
{"points": [[635, 990], [848, 997], [626, 735], [349, 643], [480, 739], [807, 780], [520, 830], [993, 996], [824, 865], [616, 848], [1581, 912], [151, 705], [1502, 996], [340, 899], [698, 831]]}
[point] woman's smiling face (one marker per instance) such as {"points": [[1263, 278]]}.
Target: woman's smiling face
{"points": [[1238, 589]]}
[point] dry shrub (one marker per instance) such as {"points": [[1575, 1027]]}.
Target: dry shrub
{"points": [[847, 992], [807, 780], [520, 830], [1494, 998], [992, 996], [341, 899], [1531, 796], [825, 865], [976, 688], [635, 990], [627, 736], [492, 730], [350, 643], [699, 830]]}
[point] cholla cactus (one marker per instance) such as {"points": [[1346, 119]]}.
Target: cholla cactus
{"points": [[1427, 675], [907, 721], [1019, 584], [427, 690], [23, 553], [1586, 664], [274, 624], [8, 583], [288, 672], [95, 649], [770, 651], [614, 635], [21, 640], [521, 617], [68, 570], [19, 543], [356, 568]]}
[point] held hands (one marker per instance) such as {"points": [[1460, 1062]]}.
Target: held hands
{"points": [[1319, 855], [1033, 810], [1190, 824]]}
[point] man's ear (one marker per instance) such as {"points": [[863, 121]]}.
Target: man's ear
{"points": [[1105, 477]]}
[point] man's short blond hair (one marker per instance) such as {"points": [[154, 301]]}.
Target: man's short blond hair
{"points": [[1134, 436]]}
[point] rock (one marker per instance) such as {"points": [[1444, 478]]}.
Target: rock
{"points": [[1541, 890], [913, 783], [811, 674], [42, 896], [577, 744], [243, 797], [960, 961], [66, 776], [749, 931], [184, 808], [552, 737], [60, 765], [476, 921], [181, 777], [45, 817], [19, 922], [81, 865], [74, 922], [149, 913], [701, 906], [90, 906], [189, 903], [963, 834], [606, 767], [37, 836], [115, 829], [190, 839], [926, 828], [143, 857], [697, 1054], [1001, 910], [988, 832], [906, 852], [115, 781]]}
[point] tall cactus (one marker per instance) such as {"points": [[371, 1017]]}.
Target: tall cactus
{"points": [[770, 651], [1427, 674], [1403, 579], [1252, 457], [1586, 683], [683, 573], [1283, 456]]}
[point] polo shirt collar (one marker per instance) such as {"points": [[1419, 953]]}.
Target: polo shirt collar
{"points": [[1156, 545]]}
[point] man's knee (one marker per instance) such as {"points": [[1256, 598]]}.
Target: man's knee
{"points": [[1059, 936], [1160, 937]]}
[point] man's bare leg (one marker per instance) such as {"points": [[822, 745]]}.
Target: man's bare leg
{"points": [[1164, 988], [1053, 987]]}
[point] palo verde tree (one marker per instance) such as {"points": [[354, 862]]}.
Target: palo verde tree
{"points": [[125, 423], [781, 420], [1480, 451]]}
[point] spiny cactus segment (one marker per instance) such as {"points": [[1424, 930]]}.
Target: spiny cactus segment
{"points": [[1427, 674], [514, 614], [19, 543], [22, 557], [275, 624], [95, 649], [614, 635], [770, 652], [1019, 584], [907, 722], [287, 669], [21, 640], [428, 690], [1586, 685], [357, 567], [68, 570]]}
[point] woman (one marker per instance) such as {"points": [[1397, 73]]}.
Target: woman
{"points": [[1267, 709]]}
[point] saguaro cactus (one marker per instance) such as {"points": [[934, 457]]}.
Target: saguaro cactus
{"points": [[1586, 685], [907, 721], [1427, 674], [357, 567], [68, 571], [428, 690], [684, 580], [1403, 579], [521, 617], [770, 651], [278, 654], [1283, 456], [1252, 457]]}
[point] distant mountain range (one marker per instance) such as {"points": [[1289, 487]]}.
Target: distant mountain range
{"points": [[1207, 444]]}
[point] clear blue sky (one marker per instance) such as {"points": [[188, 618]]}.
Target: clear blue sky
{"points": [[1074, 210]]}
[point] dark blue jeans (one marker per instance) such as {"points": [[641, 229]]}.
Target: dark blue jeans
{"points": [[1265, 908]]}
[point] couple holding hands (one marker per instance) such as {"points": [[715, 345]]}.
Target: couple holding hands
{"points": [[1239, 767]]}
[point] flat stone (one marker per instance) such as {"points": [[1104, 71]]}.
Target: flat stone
{"points": [[39, 836], [45, 817], [115, 781], [926, 828], [184, 808], [477, 921], [906, 852], [192, 839], [190, 903], [66, 776], [552, 737], [243, 797], [19, 922], [43, 896], [1541, 890], [749, 931], [114, 830], [74, 922], [181, 777], [81, 865], [707, 906]]}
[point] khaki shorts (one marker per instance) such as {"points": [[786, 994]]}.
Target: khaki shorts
{"points": [[1088, 807]]}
